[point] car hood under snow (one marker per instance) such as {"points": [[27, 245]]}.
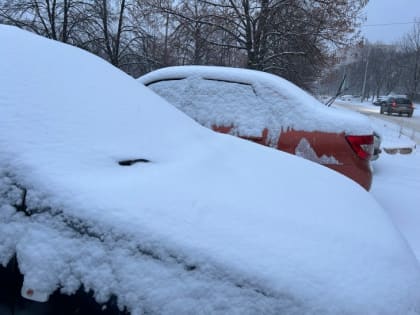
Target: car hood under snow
{"points": [[211, 225]]}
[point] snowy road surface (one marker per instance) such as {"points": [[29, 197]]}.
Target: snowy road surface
{"points": [[409, 126], [396, 179]]}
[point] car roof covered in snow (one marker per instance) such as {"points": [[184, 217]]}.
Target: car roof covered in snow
{"points": [[211, 224], [280, 105]]}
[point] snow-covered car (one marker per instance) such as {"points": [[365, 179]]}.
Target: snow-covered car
{"points": [[271, 111], [107, 188]]}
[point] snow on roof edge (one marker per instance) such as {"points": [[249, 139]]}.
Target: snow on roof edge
{"points": [[339, 119]]}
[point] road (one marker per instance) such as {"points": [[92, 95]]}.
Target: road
{"points": [[410, 126]]}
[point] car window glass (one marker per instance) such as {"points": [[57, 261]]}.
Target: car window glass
{"points": [[215, 102], [402, 101]]}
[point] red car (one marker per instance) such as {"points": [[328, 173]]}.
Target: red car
{"points": [[271, 111]]}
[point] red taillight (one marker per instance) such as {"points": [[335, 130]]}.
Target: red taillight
{"points": [[361, 145]]}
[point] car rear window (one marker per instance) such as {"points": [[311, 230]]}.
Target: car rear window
{"points": [[402, 101], [216, 102]]}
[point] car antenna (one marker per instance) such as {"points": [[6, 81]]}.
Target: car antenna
{"points": [[340, 91]]}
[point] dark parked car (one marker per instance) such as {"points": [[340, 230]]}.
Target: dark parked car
{"points": [[397, 104], [379, 100]]}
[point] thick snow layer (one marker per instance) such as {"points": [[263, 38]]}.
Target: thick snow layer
{"points": [[211, 225], [396, 187], [397, 180], [396, 176], [249, 101]]}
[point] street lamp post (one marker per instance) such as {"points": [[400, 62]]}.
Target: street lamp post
{"points": [[365, 76]]}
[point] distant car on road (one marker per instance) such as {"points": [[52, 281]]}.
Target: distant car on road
{"points": [[271, 111], [379, 100], [397, 104], [346, 97]]}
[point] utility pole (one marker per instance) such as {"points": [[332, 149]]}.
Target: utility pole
{"points": [[365, 76]]}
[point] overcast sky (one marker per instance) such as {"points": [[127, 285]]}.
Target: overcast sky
{"points": [[389, 12]]}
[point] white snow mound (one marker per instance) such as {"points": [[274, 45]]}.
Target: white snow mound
{"points": [[211, 225]]}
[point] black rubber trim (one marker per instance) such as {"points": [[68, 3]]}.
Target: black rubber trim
{"points": [[131, 162]]}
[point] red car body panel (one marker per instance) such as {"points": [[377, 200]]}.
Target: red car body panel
{"points": [[324, 144]]}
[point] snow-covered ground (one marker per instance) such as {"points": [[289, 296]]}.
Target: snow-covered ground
{"points": [[211, 225], [396, 186], [396, 182]]}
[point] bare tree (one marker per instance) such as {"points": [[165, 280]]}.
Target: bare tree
{"points": [[289, 37], [105, 30], [114, 31], [292, 38], [411, 47], [55, 19]]}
